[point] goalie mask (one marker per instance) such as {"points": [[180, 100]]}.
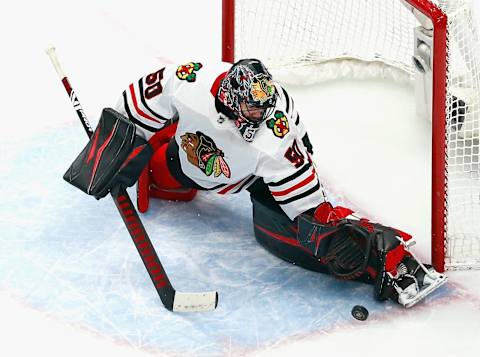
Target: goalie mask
{"points": [[249, 93]]}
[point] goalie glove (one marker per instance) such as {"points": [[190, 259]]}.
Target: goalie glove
{"points": [[114, 157]]}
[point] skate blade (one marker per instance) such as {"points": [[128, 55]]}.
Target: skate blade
{"points": [[409, 302]]}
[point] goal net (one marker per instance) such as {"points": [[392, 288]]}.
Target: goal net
{"points": [[432, 43]]}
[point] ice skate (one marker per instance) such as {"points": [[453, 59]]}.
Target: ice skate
{"points": [[414, 281]]}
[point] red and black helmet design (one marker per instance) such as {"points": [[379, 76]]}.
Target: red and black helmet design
{"points": [[249, 82]]}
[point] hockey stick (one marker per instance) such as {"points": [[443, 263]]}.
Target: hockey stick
{"points": [[173, 300]]}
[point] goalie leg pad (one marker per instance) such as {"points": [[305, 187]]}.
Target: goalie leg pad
{"points": [[349, 252], [348, 249], [278, 235], [344, 248], [114, 157]]}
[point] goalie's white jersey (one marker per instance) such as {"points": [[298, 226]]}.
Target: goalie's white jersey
{"points": [[211, 150]]}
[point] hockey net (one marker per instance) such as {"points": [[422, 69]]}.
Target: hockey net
{"points": [[432, 43]]}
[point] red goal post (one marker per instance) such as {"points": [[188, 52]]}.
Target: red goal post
{"points": [[438, 19]]}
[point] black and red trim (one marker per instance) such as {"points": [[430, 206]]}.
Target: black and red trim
{"points": [[292, 177], [99, 154], [240, 185], [133, 119], [137, 108], [295, 186]]}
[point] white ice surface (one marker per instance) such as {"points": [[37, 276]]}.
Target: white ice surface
{"points": [[71, 282]]}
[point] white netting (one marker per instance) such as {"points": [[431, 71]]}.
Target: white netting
{"points": [[307, 41], [299, 36], [463, 203]]}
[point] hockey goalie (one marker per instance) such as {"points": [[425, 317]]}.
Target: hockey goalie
{"points": [[229, 128]]}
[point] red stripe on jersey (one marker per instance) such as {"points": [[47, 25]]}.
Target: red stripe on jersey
{"points": [[229, 188], [297, 186], [137, 108]]}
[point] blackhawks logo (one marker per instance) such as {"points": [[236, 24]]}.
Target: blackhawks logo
{"points": [[203, 153], [262, 89], [278, 124], [187, 71]]}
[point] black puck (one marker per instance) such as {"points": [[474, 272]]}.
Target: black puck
{"points": [[360, 313]]}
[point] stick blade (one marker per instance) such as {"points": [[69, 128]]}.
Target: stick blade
{"points": [[195, 302]]}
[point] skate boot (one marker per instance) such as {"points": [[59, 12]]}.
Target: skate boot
{"points": [[411, 282], [415, 281]]}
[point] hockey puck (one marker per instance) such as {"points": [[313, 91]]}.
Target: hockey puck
{"points": [[360, 313]]}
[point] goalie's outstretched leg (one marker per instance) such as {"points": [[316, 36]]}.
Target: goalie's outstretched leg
{"points": [[330, 239]]}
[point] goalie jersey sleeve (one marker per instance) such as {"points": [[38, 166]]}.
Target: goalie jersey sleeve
{"points": [[287, 168], [294, 117], [292, 179], [148, 101]]}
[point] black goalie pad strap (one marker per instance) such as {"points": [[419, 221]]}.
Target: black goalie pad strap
{"points": [[114, 156], [344, 248]]}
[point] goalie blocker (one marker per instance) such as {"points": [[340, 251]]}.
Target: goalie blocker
{"points": [[332, 240], [113, 158]]}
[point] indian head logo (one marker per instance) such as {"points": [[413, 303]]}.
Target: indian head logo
{"points": [[187, 71], [202, 152]]}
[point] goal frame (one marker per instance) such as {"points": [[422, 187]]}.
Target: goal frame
{"points": [[439, 132]]}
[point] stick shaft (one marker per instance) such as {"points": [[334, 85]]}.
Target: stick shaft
{"points": [[125, 207], [71, 93]]}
